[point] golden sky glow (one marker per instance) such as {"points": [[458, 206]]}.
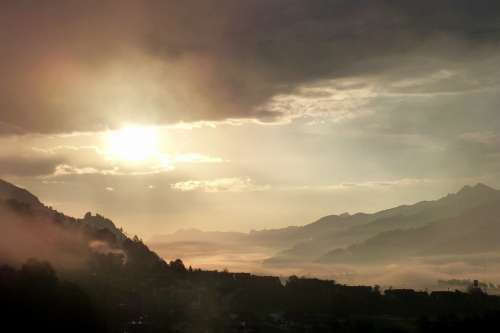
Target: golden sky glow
{"points": [[239, 115], [132, 143]]}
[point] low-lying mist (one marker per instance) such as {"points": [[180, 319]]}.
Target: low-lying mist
{"points": [[416, 272], [26, 236], [37, 237]]}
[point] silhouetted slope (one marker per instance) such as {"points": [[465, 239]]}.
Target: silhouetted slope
{"points": [[31, 229], [9, 191], [99, 222], [16, 198]]}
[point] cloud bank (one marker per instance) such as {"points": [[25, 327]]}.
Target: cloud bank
{"points": [[88, 65]]}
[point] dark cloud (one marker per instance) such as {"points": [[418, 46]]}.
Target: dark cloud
{"points": [[27, 166], [87, 65]]}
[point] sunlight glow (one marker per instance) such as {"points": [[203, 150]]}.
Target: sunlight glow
{"points": [[133, 143]]}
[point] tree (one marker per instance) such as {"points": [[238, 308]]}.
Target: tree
{"points": [[178, 266]]}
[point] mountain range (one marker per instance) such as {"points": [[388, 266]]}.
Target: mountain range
{"points": [[465, 222]]}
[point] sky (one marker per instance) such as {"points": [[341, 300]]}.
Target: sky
{"points": [[240, 115]]}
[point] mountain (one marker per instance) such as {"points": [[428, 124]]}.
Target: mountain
{"points": [[473, 232], [15, 196], [99, 222], [9, 191], [335, 233], [399, 218], [31, 229]]}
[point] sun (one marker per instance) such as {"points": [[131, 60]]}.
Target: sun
{"points": [[132, 143]]}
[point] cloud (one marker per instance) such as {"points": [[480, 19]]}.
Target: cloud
{"points": [[335, 100], [65, 148], [92, 65], [370, 185], [484, 137], [219, 185], [384, 184], [28, 166], [420, 81], [49, 156], [66, 170], [197, 158]]}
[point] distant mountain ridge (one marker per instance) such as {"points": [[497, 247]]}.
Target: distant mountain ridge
{"points": [[337, 238], [475, 231], [399, 218]]}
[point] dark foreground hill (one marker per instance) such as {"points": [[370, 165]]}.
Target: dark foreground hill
{"points": [[88, 276]]}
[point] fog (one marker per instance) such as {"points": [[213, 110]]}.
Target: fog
{"points": [[38, 236], [416, 273]]}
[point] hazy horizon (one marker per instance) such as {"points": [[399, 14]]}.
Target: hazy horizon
{"points": [[256, 252], [390, 198]]}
